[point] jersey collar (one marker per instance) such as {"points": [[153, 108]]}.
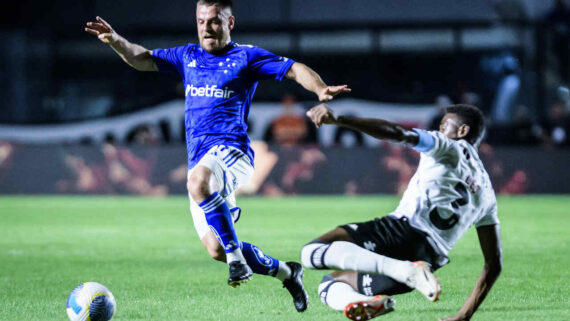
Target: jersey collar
{"points": [[208, 55]]}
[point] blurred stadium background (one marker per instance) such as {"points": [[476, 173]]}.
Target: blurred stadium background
{"points": [[69, 102], [75, 119]]}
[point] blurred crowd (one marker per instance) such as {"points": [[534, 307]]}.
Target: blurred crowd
{"points": [[510, 123], [503, 83], [522, 126]]}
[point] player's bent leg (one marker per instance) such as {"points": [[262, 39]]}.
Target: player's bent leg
{"points": [[312, 254], [206, 235], [346, 256], [421, 279], [339, 290], [290, 273], [198, 184], [219, 219], [259, 262]]}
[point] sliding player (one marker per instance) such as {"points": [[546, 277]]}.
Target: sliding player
{"points": [[220, 78], [449, 192]]}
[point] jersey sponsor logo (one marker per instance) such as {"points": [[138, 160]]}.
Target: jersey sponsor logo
{"points": [[209, 91]]}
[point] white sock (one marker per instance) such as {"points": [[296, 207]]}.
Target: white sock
{"points": [[235, 255], [309, 251], [351, 257], [283, 272], [339, 295]]}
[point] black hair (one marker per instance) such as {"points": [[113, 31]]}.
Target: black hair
{"points": [[472, 117], [221, 3]]}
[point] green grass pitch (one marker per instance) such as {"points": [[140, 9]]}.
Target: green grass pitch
{"points": [[147, 253]]}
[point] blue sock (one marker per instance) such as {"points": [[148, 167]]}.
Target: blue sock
{"points": [[219, 218], [259, 262]]}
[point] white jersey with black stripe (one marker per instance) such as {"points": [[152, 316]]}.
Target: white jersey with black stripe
{"points": [[449, 192]]}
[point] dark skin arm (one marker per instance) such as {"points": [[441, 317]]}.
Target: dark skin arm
{"points": [[377, 128], [490, 240]]}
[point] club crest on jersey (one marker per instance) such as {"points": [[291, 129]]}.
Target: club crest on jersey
{"points": [[209, 91]]}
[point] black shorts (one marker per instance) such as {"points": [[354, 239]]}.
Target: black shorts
{"points": [[395, 238]]}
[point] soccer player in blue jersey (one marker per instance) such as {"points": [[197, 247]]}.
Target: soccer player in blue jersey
{"points": [[220, 78]]}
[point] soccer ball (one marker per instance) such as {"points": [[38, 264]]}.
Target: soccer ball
{"points": [[90, 301]]}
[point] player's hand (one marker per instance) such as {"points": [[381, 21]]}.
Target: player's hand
{"points": [[456, 317], [103, 30], [327, 93], [321, 114]]}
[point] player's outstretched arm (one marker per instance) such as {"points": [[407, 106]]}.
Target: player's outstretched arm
{"points": [[490, 240], [377, 128], [311, 81], [135, 55]]}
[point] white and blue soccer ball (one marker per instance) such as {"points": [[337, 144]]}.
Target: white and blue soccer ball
{"points": [[90, 301]]}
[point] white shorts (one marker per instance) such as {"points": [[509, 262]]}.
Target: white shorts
{"points": [[231, 169]]}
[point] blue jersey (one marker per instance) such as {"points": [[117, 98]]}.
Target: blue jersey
{"points": [[219, 90]]}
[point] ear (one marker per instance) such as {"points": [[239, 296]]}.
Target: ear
{"points": [[231, 22], [463, 131]]}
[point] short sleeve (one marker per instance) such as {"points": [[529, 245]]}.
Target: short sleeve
{"points": [[490, 218], [170, 60], [264, 64], [442, 146], [426, 141]]}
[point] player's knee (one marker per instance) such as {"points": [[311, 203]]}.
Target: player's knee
{"points": [[312, 255], [198, 186]]}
